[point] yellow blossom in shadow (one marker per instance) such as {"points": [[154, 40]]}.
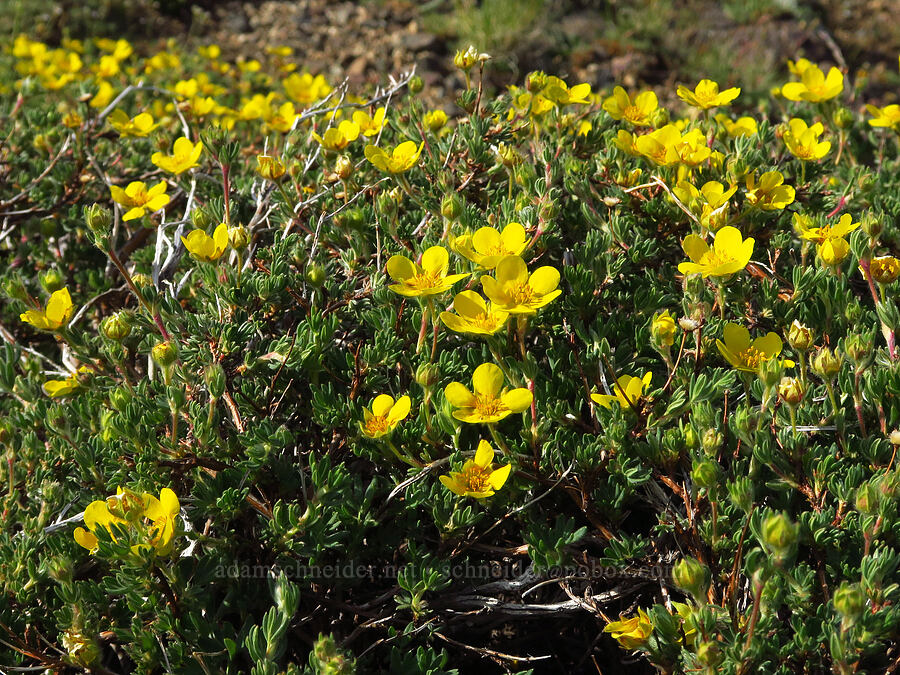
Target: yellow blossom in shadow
{"points": [[631, 633], [807, 229], [429, 278], [888, 116], [488, 402], [57, 312], [477, 478], [884, 269], [627, 391], [473, 315], [514, 290], [729, 253]]}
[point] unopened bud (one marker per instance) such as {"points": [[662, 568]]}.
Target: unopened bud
{"points": [[791, 391], [315, 275], [215, 380], [427, 375], [867, 499], [238, 237], [415, 85], [270, 168], [99, 221], [706, 474], [52, 281], [164, 354], [662, 329], [343, 167], [201, 218], [536, 81], [843, 118], [799, 337], [692, 576], [116, 326], [849, 600], [742, 493], [779, 535], [826, 364], [451, 206]]}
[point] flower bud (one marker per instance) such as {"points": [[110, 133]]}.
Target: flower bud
{"points": [[659, 118], [709, 653], [201, 218], [386, 204], [164, 354], [116, 326], [737, 169], [692, 576], [315, 275], [770, 372], [119, 398], [843, 118], [270, 168], [871, 225], [849, 600], [536, 81], [81, 649], [238, 237], [894, 437], [451, 206], [99, 221], [885, 269], [712, 441], [791, 391], [799, 337], [826, 364], [142, 280], [215, 380], [705, 474], [662, 329], [415, 85], [51, 280], [779, 536], [859, 348], [343, 167], [508, 155], [435, 120], [427, 375], [867, 499], [742, 493]]}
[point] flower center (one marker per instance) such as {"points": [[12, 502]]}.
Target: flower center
{"points": [[521, 293], [475, 478], [715, 259], [485, 321], [424, 280], [377, 425], [633, 114], [488, 406], [498, 250], [752, 357]]}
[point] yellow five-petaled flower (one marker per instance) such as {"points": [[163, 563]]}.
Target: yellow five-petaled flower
{"points": [[488, 246], [514, 290], [384, 416], [707, 95], [428, 278], [138, 199], [729, 253], [474, 315], [488, 402], [206, 248], [402, 158], [150, 521], [631, 633], [184, 156], [627, 391], [57, 312], [745, 355], [803, 141], [477, 478]]}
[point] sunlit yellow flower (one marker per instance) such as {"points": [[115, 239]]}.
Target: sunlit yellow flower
{"points": [[282, 118], [206, 248], [477, 478], [631, 633], [730, 253], [658, 146], [799, 66], [884, 269], [707, 95], [626, 142], [627, 391], [161, 513], [210, 52], [770, 193], [306, 89], [560, 93], [814, 85], [435, 120], [338, 138], [184, 156], [369, 126], [57, 312], [384, 416], [404, 157], [488, 402], [199, 106], [888, 116], [429, 278], [119, 49], [72, 120], [803, 141], [745, 355], [638, 112], [60, 388], [474, 315], [807, 229], [162, 61], [270, 168], [742, 126], [103, 96], [106, 67], [138, 127], [138, 199], [146, 520], [833, 251], [256, 107], [487, 246], [512, 289]]}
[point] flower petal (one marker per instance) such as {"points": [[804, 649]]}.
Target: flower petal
{"points": [[517, 400], [459, 396], [382, 405], [484, 455], [487, 380], [401, 268]]}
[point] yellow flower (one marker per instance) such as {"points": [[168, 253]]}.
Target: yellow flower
{"points": [[627, 391], [306, 89], [147, 520], [706, 95], [803, 141], [631, 633], [488, 402], [560, 93], [627, 143], [435, 120], [487, 246], [477, 478], [638, 112], [833, 251], [138, 127], [282, 119], [199, 106], [369, 126], [889, 116], [403, 158], [60, 388], [270, 168], [429, 278], [106, 67], [814, 85], [384, 416], [729, 253], [138, 199], [663, 328], [206, 248], [658, 146], [884, 269], [57, 312], [103, 96], [338, 138], [769, 194], [72, 120], [744, 355], [513, 290], [161, 513], [809, 231], [474, 315], [184, 156], [742, 126], [799, 66]]}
